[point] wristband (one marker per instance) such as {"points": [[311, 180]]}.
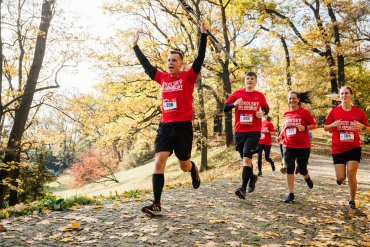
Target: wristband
{"points": [[305, 127]]}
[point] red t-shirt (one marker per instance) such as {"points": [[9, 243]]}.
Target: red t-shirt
{"points": [[293, 137], [345, 137], [245, 113], [267, 128], [177, 95]]}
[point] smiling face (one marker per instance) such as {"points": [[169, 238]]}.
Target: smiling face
{"points": [[293, 100], [250, 82], [174, 64], [345, 95]]}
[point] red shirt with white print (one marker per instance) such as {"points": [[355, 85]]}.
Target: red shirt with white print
{"points": [[245, 112], [293, 137], [345, 137], [267, 128], [177, 95]]}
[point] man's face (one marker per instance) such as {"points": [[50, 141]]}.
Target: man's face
{"points": [[250, 82], [345, 95], [174, 64]]}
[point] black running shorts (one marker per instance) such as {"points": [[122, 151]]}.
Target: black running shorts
{"points": [[343, 158], [175, 137], [246, 143], [301, 155]]}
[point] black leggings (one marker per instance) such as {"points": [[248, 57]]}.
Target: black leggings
{"points": [[267, 150]]}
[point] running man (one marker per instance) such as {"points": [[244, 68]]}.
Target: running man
{"points": [[265, 143], [175, 131], [247, 103], [296, 142], [345, 122]]}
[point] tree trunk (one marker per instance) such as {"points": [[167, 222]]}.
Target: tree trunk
{"points": [[340, 57], [287, 62], [217, 124], [226, 77], [12, 153], [203, 126], [228, 115]]}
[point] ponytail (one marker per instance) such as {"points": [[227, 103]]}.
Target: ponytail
{"points": [[304, 97]]}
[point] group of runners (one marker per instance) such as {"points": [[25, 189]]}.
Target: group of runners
{"points": [[252, 135]]}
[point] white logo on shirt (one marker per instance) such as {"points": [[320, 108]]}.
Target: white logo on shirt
{"points": [[172, 86]]}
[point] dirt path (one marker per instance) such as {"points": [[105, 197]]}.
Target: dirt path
{"points": [[214, 216]]}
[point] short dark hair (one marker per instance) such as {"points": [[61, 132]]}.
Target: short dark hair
{"points": [[177, 51], [349, 89], [251, 73]]}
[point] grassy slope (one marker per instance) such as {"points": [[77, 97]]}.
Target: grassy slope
{"points": [[223, 162]]}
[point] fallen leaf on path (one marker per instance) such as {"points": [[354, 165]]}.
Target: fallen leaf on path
{"points": [[209, 244], [97, 206], [298, 231], [143, 239], [43, 222], [267, 234], [234, 243], [350, 228], [293, 243], [365, 244], [217, 221], [75, 207], [2, 228], [74, 227]]}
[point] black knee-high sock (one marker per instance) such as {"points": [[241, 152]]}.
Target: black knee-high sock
{"points": [[247, 173], [158, 183]]}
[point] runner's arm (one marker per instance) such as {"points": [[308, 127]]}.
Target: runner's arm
{"points": [[149, 69], [228, 107], [197, 65]]}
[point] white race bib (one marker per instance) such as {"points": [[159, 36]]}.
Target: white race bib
{"points": [[291, 131], [246, 119], [169, 105], [262, 135], [347, 137]]}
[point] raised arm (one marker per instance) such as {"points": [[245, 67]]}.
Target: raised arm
{"points": [[149, 69], [197, 65]]}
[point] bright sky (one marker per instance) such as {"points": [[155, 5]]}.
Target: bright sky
{"points": [[91, 16]]}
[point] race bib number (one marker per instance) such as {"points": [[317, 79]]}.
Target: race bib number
{"points": [[291, 131], [169, 105], [246, 119], [262, 135], [347, 137]]}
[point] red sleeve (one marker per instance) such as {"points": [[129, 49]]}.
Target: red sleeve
{"points": [[263, 102], [310, 119], [330, 118], [191, 76], [364, 118], [232, 98], [271, 128], [158, 77]]}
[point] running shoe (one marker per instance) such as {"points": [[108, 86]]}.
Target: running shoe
{"points": [[352, 205], [252, 183], [309, 182], [273, 167], [240, 192], [153, 209], [195, 179], [260, 174], [289, 198]]}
